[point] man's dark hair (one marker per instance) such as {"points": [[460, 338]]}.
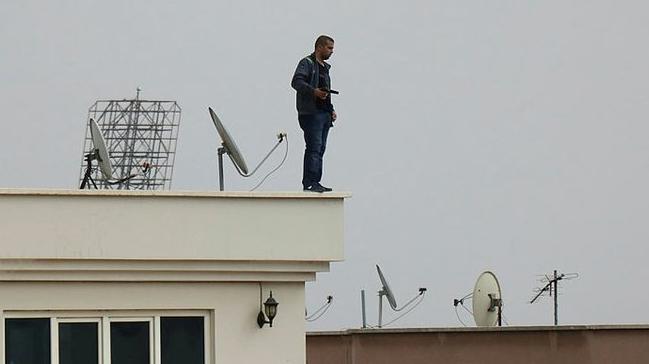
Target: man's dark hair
{"points": [[322, 40]]}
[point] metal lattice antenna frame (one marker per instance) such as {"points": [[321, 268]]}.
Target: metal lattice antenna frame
{"points": [[136, 132]]}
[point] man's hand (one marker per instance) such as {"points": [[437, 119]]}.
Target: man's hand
{"points": [[320, 94], [334, 116]]}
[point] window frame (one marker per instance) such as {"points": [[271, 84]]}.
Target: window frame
{"points": [[54, 334], [105, 317]]}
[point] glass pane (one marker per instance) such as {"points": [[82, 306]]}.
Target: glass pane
{"points": [[78, 343], [129, 342], [182, 340], [27, 341]]}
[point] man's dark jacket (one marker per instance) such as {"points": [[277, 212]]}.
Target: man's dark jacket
{"points": [[305, 80]]}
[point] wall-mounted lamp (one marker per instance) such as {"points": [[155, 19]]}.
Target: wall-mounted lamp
{"points": [[270, 307]]}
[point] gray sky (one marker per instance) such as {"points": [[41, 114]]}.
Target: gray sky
{"points": [[474, 135]]}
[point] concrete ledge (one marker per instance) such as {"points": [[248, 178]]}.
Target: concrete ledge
{"points": [[478, 329], [197, 194], [122, 225], [93, 270]]}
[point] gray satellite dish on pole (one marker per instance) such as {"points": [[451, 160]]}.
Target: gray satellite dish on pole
{"points": [[387, 292], [486, 299], [229, 147], [228, 143], [98, 153]]}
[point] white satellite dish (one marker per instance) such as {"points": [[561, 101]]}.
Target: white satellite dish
{"points": [[228, 143], [229, 147], [101, 153], [487, 300], [387, 292]]}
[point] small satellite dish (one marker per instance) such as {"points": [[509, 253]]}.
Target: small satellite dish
{"points": [[101, 153], [228, 143], [487, 300], [386, 288], [229, 147], [387, 291]]}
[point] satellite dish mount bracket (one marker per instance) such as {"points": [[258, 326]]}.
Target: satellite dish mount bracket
{"points": [[87, 176], [496, 303]]}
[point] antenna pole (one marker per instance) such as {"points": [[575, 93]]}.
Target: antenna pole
{"points": [[500, 315], [556, 294], [363, 308], [220, 152], [380, 308], [553, 285]]}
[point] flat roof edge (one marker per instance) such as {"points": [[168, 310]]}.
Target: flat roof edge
{"points": [[480, 329], [196, 194]]}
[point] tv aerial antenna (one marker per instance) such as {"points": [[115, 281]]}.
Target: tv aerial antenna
{"points": [[229, 147], [138, 133], [486, 301], [100, 154], [386, 292], [552, 285]]}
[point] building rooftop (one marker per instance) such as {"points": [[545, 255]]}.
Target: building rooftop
{"points": [[149, 235]]}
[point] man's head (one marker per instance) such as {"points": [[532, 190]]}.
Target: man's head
{"points": [[324, 47]]}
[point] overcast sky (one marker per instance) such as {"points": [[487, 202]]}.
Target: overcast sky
{"points": [[474, 135]]}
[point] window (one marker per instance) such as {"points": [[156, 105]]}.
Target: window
{"points": [[117, 337], [79, 343], [130, 342], [27, 341], [182, 340]]}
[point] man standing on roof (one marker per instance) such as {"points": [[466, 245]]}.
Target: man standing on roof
{"points": [[315, 112]]}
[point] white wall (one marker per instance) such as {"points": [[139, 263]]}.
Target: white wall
{"points": [[236, 336]]}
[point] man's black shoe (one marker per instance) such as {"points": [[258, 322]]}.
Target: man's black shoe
{"points": [[326, 189], [316, 187]]}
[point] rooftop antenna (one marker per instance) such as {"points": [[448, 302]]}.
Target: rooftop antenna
{"points": [[229, 147], [138, 134], [100, 154], [387, 292], [486, 301], [552, 284]]}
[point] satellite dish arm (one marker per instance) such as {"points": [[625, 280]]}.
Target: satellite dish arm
{"points": [[422, 291], [121, 180], [145, 169], [280, 138], [321, 311]]}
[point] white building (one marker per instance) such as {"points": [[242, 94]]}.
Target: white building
{"points": [[159, 277]]}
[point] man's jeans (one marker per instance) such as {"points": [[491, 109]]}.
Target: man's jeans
{"points": [[316, 128]]}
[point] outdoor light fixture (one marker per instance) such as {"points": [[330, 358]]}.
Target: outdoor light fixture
{"points": [[270, 307]]}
